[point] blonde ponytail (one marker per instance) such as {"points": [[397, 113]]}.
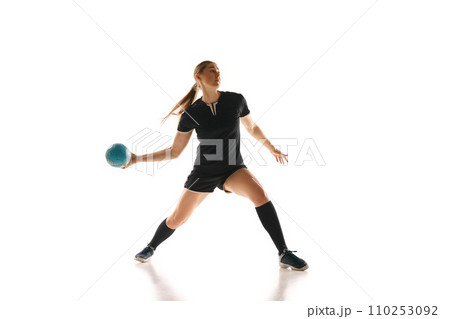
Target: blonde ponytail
{"points": [[189, 98]]}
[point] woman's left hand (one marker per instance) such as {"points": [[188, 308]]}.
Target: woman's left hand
{"points": [[280, 157]]}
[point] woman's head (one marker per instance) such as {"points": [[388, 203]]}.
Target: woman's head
{"points": [[207, 77]]}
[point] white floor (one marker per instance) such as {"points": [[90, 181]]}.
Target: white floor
{"points": [[221, 255]]}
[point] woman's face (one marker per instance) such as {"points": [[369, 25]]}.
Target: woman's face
{"points": [[210, 77]]}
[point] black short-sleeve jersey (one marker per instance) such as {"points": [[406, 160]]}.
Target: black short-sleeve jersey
{"points": [[244, 108], [218, 130]]}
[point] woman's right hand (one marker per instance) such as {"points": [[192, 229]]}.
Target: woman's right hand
{"points": [[133, 161]]}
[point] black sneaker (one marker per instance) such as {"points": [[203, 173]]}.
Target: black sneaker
{"points": [[288, 259], [145, 254]]}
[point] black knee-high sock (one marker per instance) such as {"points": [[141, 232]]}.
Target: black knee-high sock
{"points": [[162, 233], [268, 216]]}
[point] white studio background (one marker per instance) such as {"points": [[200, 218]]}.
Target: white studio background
{"points": [[367, 81]]}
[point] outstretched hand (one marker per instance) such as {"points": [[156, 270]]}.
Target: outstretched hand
{"points": [[133, 161], [280, 157]]}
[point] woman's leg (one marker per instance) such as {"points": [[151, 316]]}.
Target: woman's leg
{"points": [[189, 200], [244, 183]]}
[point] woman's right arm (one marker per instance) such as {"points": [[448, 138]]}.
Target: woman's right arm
{"points": [[178, 145]]}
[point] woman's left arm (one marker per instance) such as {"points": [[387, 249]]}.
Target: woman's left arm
{"points": [[254, 130]]}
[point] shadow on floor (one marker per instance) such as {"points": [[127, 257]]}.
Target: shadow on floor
{"points": [[161, 287], [287, 279]]}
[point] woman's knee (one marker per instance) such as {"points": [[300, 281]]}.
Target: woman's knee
{"points": [[176, 220], [259, 197]]}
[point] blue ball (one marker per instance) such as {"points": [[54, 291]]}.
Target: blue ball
{"points": [[118, 155]]}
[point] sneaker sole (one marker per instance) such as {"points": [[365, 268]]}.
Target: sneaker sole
{"points": [[142, 260], [293, 268]]}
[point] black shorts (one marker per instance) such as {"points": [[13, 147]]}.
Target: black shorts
{"points": [[206, 183]]}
